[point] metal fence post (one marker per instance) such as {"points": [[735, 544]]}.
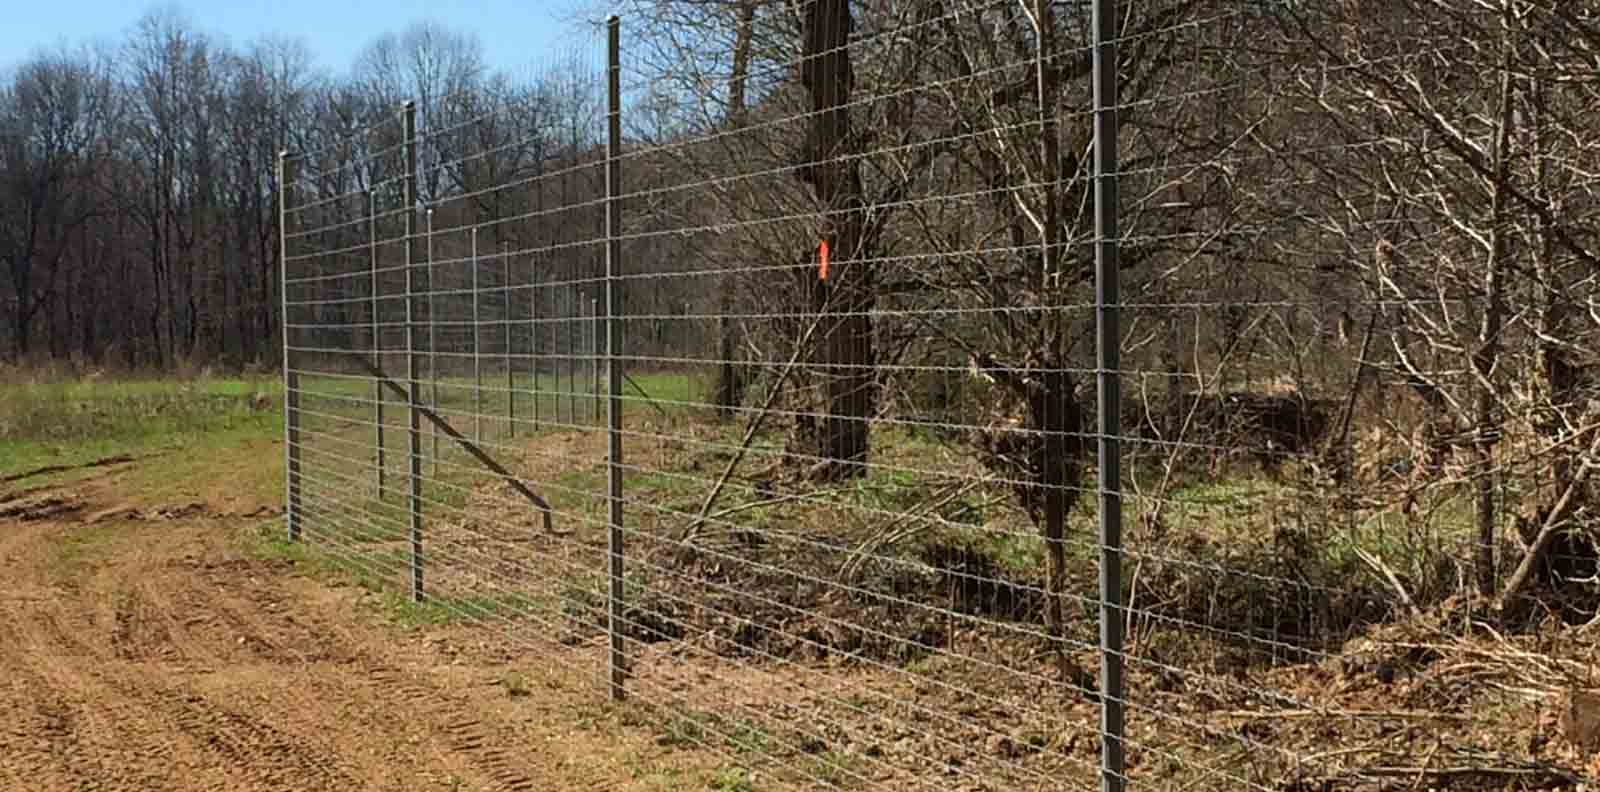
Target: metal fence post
{"points": [[291, 377], [595, 352], [574, 324], [558, 315], [477, 357], [511, 369], [377, 339], [533, 336], [414, 435], [533, 280], [433, 345], [1109, 409], [614, 542]]}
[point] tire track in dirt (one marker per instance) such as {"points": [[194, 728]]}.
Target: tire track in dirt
{"points": [[460, 729], [118, 459], [239, 620], [125, 723], [261, 753], [48, 746], [368, 676], [38, 727], [271, 634], [238, 626], [166, 660], [106, 742]]}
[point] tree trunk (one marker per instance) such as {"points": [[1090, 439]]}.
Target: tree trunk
{"points": [[730, 379], [1487, 355], [1057, 392], [1057, 414], [20, 328], [848, 290], [1570, 555], [22, 320]]}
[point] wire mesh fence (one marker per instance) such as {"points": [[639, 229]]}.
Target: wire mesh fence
{"points": [[990, 395]]}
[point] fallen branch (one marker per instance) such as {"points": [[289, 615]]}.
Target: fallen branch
{"points": [[754, 505], [1543, 776], [1383, 571], [1547, 532], [892, 533], [1501, 772], [47, 469], [1346, 713], [692, 531]]}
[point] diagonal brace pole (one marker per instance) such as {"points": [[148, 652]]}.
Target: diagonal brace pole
{"points": [[470, 447]]}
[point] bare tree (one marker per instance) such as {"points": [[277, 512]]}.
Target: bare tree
{"points": [[54, 115], [438, 68], [268, 89], [1485, 251]]}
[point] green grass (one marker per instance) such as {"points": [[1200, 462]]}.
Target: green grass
{"points": [[83, 543], [517, 685], [383, 571], [731, 779], [377, 570], [836, 769], [668, 390], [68, 424], [1248, 512], [688, 729], [441, 610], [698, 728], [339, 428]]}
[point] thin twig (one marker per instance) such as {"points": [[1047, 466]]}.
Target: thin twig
{"points": [[1389, 577], [891, 532], [754, 505], [692, 531], [1297, 714]]}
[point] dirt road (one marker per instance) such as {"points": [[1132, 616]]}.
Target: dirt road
{"points": [[149, 649]]}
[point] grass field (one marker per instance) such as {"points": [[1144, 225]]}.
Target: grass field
{"points": [[68, 424]]}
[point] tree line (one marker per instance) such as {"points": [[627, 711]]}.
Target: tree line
{"points": [[138, 186]]}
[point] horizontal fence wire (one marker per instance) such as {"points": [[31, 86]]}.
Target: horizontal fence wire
{"points": [[764, 394]]}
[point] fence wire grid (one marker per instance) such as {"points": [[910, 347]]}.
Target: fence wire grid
{"points": [[991, 395]]}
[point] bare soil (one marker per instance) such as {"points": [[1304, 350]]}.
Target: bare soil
{"points": [[144, 647]]}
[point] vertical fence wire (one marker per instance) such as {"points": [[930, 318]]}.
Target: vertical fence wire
{"points": [[431, 310], [408, 208], [379, 398], [507, 297], [613, 351], [1108, 346], [477, 351], [291, 372]]}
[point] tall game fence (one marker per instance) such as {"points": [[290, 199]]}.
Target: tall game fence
{"points": [[987, 394]]}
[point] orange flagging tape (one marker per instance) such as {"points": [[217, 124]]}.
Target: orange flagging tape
{"points": [[822, 260]]}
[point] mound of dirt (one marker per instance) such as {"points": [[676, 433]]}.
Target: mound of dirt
{"points": [[52, 505]]}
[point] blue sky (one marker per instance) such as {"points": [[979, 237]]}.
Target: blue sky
{"points": [[515, 33]]}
